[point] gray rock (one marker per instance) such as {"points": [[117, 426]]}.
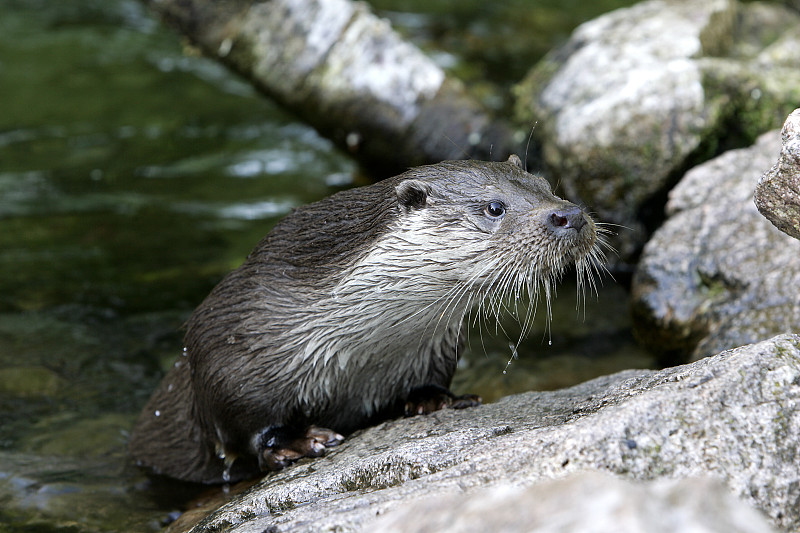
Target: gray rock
{"points": [[586, 502], [637, 95], [733, 417], [717, 274], [349, 74], [778, 191]]}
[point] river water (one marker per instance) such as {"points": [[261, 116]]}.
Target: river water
{"points": [[133, 175]]}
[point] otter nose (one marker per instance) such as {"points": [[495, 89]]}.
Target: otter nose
{"points": [[570, 217]]}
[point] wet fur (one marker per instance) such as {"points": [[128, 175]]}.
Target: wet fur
{"points": [[346, 306]]}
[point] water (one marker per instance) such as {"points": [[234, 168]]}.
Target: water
{"points": [[133, 175]]}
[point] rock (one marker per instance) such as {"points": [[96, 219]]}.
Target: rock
{"points": [[637, 96], [778, 191], [29, 381], [733, 417], [585, 502], [717, 274], [347, 73]]}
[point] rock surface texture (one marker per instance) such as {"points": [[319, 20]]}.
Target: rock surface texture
{"points": [[778, 191], [733, 417], [586, 502], [637, 96], [717, 274]]}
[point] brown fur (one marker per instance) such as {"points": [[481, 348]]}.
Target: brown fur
{"points": [[338, 315]]}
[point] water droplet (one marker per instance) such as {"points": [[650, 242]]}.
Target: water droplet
{"points": [[170, 387], [226, 472], [514, 355], [157, 413], [185, 351]]}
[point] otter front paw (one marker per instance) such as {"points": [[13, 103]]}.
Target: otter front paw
{"points": [[429, 398], [279, 447]]}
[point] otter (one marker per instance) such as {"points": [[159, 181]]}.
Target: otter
{"points": [[350, 312]]}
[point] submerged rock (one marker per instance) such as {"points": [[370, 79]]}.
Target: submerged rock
{"points": [[778, 192], [638, 95], [350, 75], [732, 417], [717, 274]]}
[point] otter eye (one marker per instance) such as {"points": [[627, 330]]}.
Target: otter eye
{"points": [[495, 209]]}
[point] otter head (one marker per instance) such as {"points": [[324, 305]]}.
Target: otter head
{"points": [[489, 231]]}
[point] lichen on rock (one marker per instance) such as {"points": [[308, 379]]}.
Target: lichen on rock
{"points": [[639, 95]]}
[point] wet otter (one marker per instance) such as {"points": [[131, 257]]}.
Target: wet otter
{"points": [[349, 311]]}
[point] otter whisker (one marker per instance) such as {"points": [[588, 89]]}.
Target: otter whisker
{"points": [[453, 299]]}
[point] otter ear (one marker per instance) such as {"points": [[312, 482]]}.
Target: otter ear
{"points": [[515, 160], [412, 194]]}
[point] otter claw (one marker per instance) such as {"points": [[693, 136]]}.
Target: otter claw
{"points": [[466, 400], [324, 436], [427, 399], [277, 459], [311, 444]]}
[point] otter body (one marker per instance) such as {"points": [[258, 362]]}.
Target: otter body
{"points": [[348, 312]]}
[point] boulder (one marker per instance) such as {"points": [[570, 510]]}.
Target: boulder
{"points": [[717, 274], [733, 417], [346, 72], [639, 95], [585, 502], [778, 190]]}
